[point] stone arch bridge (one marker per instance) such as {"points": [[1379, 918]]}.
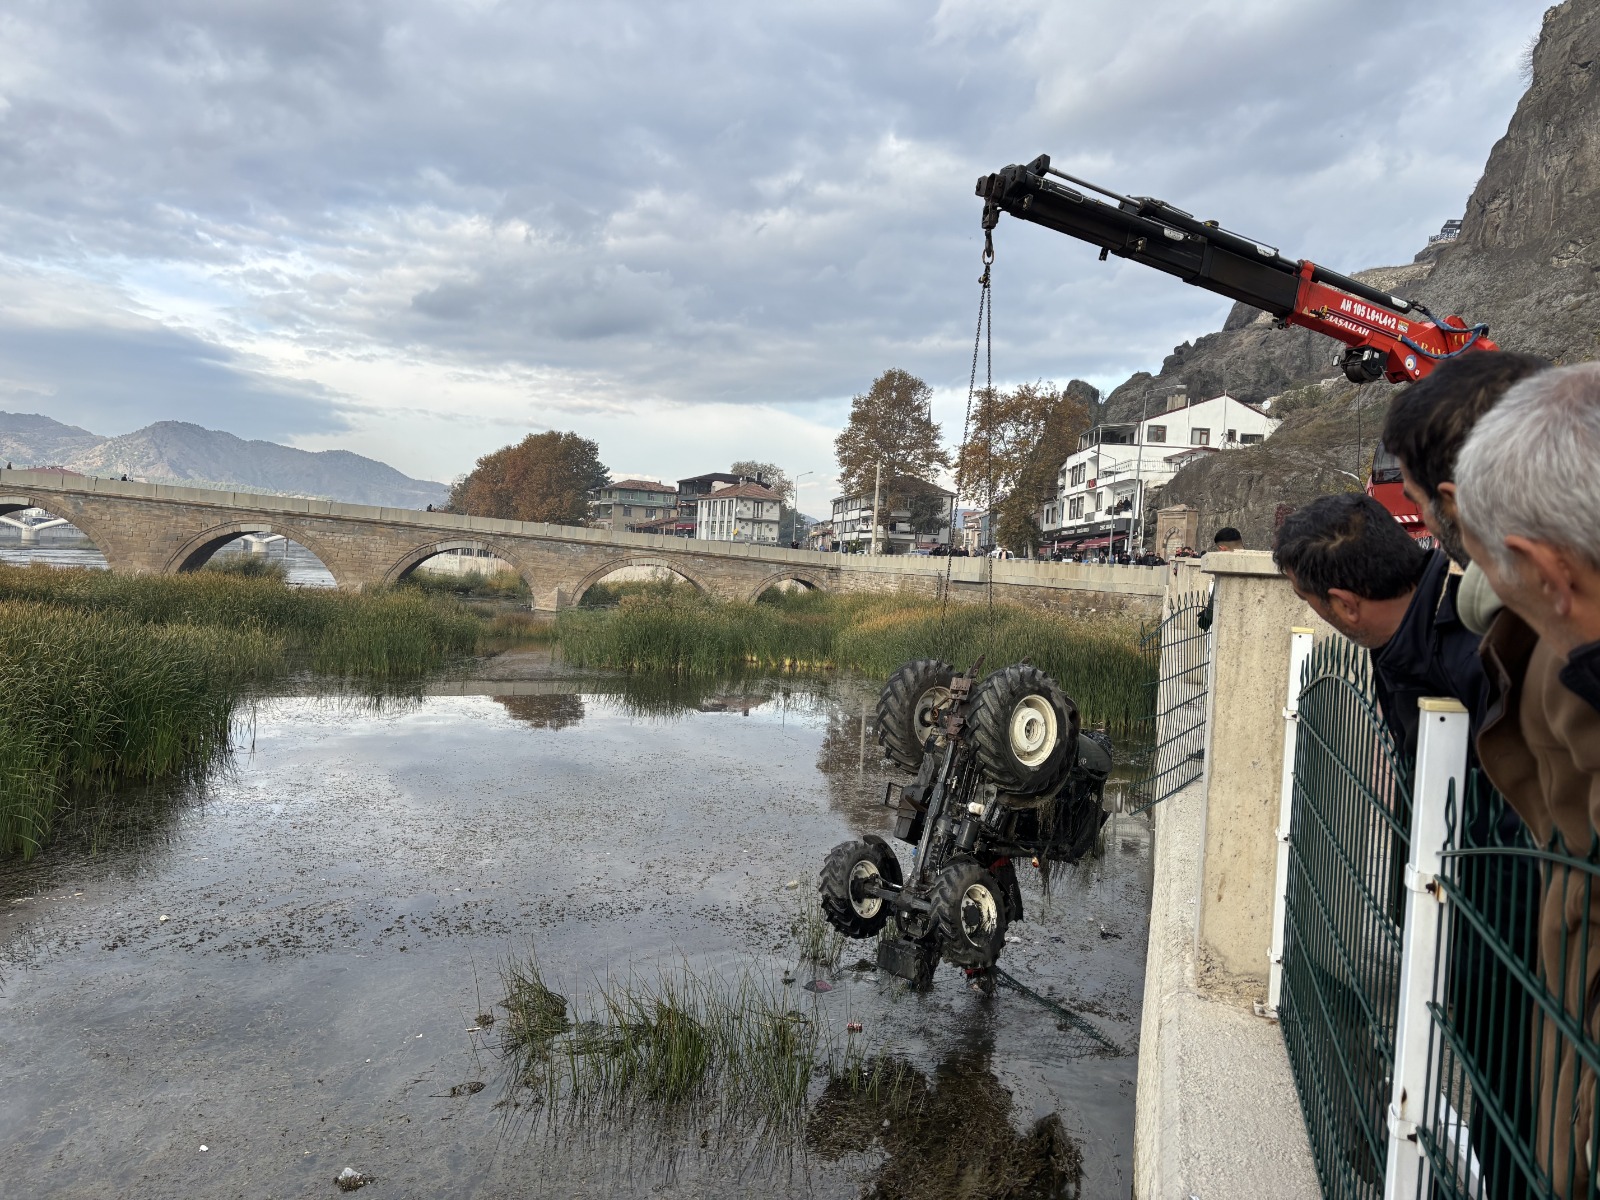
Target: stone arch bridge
{"points": [[161, 529]]}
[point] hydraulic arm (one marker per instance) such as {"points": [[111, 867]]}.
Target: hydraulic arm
{"points": [[1385, 336]]}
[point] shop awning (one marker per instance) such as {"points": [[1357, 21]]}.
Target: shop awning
{"points": [[1100, 543]]}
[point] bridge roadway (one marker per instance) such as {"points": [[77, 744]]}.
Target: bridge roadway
{"points": [[157, 528]]}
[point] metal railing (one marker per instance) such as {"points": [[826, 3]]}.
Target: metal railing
{"points": [[1178, 653], [1436, 973], [1334, 981]]}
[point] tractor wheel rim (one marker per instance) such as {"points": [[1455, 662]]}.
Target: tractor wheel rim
{"points": [[865, 871], [928, 707], [1034, 732], [979, 914]]}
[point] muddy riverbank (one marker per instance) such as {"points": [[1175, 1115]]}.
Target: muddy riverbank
{"points": [[285, 966]]}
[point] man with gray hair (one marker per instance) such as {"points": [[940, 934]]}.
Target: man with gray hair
{"points": [[1528, 485], [1528, 498]]}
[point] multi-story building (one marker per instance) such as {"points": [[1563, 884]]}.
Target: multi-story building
{"points": [[852, 518], [690, 490], [1100, 490], [619, 505], [745, 512]]}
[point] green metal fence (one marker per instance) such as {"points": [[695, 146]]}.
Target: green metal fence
{"points": [[1348, 842], [1512, 1049], [1178, 653]]}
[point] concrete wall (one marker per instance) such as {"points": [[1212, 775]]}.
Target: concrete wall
{"points": [[1255, 612]]}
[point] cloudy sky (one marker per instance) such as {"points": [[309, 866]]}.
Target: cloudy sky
{"points": [[419, 229]]}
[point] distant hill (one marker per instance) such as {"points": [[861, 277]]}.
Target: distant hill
{"points": [[178, 452]]}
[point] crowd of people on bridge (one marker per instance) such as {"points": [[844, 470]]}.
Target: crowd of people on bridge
{"points": [[1501, 453]]}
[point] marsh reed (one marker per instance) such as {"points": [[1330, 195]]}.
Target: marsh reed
{"points": [[674, 629]]}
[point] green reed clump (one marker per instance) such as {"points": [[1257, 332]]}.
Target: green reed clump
{"points": [[255, 566], [97, 699], [818, 941], [497, 585], [378, 635], [1095, 657], [724, 1052]]}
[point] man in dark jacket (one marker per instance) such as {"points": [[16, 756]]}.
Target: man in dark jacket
{"points": [[1361, 573]]}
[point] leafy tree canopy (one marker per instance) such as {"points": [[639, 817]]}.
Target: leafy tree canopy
{"points": [[1016, 444], [891, 424], [544, 477]]}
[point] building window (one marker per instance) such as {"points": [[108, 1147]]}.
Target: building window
{"points": [[1078, 473], [1075, 509], [1155, 433], [1250, 439], [1199, 437], [1233, 435]]}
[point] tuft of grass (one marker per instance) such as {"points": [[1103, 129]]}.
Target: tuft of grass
{"points": [[251, 566], [499, 585], [679, 1047], [657, 628], [818, 941], [522, 626]]}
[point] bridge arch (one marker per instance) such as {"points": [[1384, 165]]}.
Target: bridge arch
{"points": [[633, 560], [14, 502], [197, 551], [814, 581], [414, 558]]}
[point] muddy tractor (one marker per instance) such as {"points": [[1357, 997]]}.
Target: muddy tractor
{"points": [[1003, 770]]}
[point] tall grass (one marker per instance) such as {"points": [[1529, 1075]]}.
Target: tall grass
{"points": [[367, 635], [499, 585], [92, 699], [110, 679], [1095, 658]]}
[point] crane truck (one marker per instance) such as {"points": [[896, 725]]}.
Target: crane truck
{"points": [[1385, 336]]}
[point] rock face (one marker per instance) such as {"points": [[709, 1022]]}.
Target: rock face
{"points": [[1527, 263], [177, 452]]}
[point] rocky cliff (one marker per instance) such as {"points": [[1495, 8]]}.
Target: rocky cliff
{"points": [[1527, 262]]}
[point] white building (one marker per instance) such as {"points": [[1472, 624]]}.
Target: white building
{"points": [[1100, 491], [745, 512], [852, 518]]}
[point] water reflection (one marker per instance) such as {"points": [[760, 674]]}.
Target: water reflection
{"points": [[948, 1134], [559, 711]]}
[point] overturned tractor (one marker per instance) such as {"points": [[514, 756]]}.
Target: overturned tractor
{"points": [[1003, 770]]}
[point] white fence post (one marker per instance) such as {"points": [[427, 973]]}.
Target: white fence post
{"points": [[1441, 763], [1299, 651]]}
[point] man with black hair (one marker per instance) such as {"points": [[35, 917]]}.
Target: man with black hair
{"points": [[1429, 421], [1227, 538], [1349, 559]]}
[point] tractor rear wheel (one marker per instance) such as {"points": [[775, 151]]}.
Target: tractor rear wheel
{"points": [[909, 709], [1024, 730]]}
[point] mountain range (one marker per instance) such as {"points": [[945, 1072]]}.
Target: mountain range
{"points": [[178, 452]]}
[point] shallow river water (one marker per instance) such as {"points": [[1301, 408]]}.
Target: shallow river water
{"points": [[241, 988]]}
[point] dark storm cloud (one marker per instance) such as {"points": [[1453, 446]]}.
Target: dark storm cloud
{"points": [[710, 201]]}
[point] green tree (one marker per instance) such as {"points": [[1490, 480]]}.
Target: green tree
{"points": [[544, 477], [1016, 444], [893, 425]]}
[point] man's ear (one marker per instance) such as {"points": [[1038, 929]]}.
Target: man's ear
{"points": [[1546, 566], [1346, 605], [1444, 501]]}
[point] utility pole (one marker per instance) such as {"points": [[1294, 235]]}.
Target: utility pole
{"points": [[1138, 476], [877, 484], [794, 512]]}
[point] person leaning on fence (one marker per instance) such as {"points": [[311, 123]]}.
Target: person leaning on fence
{"points": [[1350, 560], [1528, 495]]}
